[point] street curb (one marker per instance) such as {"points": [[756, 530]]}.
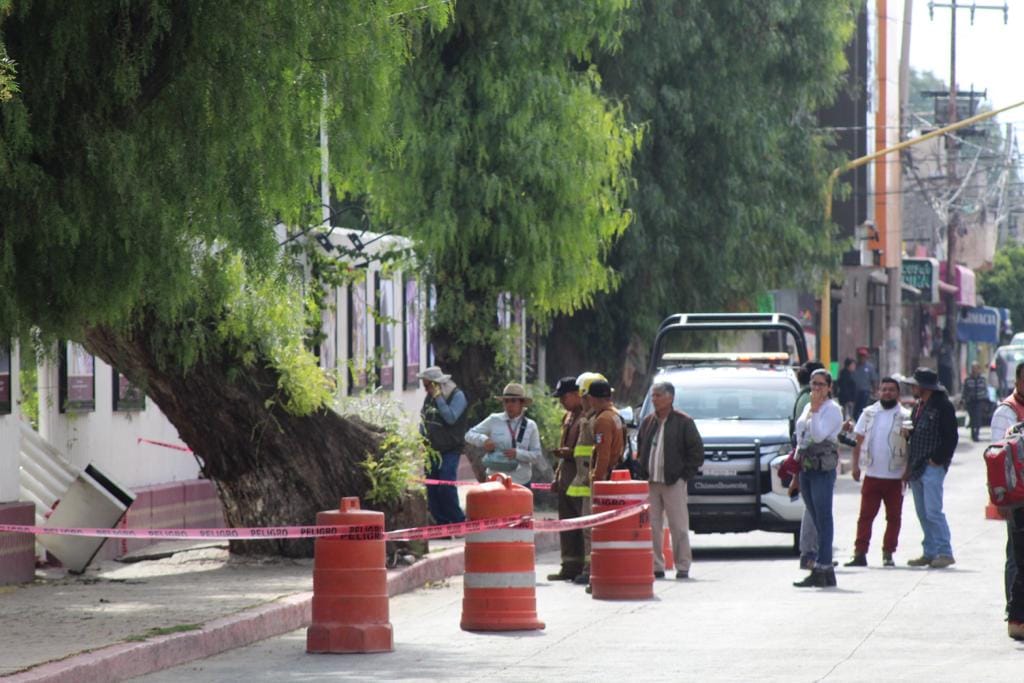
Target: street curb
{"points": [[128, 660]]}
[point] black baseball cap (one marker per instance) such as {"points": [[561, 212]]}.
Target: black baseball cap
{"points": [[566, 385], [600, 389]]}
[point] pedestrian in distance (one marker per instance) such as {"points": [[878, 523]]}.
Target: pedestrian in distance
{"points": [[817, 432], [1008, 416], [865, 377], [846, 386], [975, 397], [511, 441], [570, 542], [882, 450], [443, 424], [932, 441], [670, 452]]}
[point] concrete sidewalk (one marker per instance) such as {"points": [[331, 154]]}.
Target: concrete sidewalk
{"points": [[121, 620]]}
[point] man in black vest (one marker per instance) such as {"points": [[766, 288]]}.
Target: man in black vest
{"points": [[443, 423]]}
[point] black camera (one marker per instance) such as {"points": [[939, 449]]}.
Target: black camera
{"points": [[847, 440]]}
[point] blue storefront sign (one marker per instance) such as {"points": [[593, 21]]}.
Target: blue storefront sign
{"points": [[978, 324]]}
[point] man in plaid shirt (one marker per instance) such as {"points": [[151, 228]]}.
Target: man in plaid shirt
{"points": [[930, 451]]}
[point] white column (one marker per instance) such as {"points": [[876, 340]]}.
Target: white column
{"points": [[10, 437]]}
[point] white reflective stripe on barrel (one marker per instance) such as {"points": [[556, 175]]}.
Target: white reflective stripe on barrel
{"points": [[621, 545], [501, 536], [500, 580]]}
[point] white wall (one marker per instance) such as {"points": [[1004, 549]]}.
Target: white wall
{"points": [[109, 440], [10, 439]]}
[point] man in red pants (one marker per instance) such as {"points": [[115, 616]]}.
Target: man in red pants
{"points": [[882, 451]]}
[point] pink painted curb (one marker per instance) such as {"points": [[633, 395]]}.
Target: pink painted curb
{"points": [[127, 660]]}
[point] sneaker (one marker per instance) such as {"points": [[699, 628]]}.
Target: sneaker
{"points": [[859, 560], [942, 561], [682, 574], [923, 561], [1015, 629], [582, 579], [658, 574], [829, 578], [816, 579], [887, 560]]}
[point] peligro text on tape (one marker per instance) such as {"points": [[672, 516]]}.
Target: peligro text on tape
{"points": [[596, 519]]}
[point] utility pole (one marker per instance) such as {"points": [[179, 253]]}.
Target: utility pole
{"points": [[953, 225]]}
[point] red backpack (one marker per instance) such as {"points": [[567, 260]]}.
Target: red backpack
{"points": [[1004, 463]]}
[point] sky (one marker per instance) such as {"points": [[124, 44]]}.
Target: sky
{"points": [[989, 54]]}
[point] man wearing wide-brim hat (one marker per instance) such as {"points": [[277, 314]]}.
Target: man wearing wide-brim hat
{"points": [[510, 439], [443, 422], [933, 439]]}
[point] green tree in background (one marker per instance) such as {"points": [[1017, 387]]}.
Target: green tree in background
{"points": [[1003, 285], [144, 163], [511, 170], [727, 200]]}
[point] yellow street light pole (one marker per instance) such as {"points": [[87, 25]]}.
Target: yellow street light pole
{"points": [[825, 345]]}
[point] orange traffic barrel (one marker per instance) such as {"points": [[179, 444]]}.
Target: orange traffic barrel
{"points": [[350, 585], [622, 552], [499, 585]]}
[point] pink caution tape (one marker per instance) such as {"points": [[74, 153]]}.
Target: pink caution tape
{"points": [[164, 444], [345, 532], [465, 482], [596, 519]]}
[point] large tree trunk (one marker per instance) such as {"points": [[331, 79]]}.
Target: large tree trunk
{"points": [[271, 468]]}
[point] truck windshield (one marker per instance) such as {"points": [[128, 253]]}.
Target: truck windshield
{"points": [[766, 398]]}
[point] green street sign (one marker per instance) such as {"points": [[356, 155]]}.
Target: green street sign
{"points": [[923, 274]]}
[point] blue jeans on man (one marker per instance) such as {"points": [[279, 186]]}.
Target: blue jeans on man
{"points": [[443, 500], [817, 488], [927, 490]]}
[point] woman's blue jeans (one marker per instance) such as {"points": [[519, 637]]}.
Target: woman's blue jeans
{"points": [[816, 488]]}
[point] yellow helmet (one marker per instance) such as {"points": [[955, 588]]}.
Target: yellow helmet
{"points": [[584, 380]]}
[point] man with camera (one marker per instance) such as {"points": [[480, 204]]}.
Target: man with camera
{"points": [[881, 448], [443, 424]]}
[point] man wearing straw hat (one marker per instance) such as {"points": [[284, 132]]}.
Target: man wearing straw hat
{"points": [[443, 423], [510, 440]]}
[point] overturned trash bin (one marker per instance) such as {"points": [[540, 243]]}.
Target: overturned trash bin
{"points": [[92, 500]]}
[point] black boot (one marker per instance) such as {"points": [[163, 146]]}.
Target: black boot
{"points": [[816, 579], [829, 578]]}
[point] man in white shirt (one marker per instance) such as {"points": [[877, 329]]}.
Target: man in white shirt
{"points": [[509, 438], [882, 450]]}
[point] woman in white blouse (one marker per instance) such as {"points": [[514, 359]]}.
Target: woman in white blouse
{"points": [[817, 433]]}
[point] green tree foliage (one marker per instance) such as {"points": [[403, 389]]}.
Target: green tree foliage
{"points": [[1003, 285], [728, 187], [149, 152], [511, 169]]}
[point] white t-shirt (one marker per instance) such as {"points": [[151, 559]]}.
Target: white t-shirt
{"points": [[879, 445]]}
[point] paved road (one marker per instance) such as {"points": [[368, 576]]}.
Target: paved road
{"points": [[738, 619]]}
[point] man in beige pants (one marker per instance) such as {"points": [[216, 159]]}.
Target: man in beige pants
{"points": [[669, 453]]}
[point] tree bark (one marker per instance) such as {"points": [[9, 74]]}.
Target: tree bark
{"points": [[270, 467]]}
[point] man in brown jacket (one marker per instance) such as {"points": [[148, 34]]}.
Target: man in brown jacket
{"points": [[568, 507], [609, 436], [670, 453]]}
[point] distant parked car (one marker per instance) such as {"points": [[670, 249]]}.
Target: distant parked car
{"points": [[1003, 365]]}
